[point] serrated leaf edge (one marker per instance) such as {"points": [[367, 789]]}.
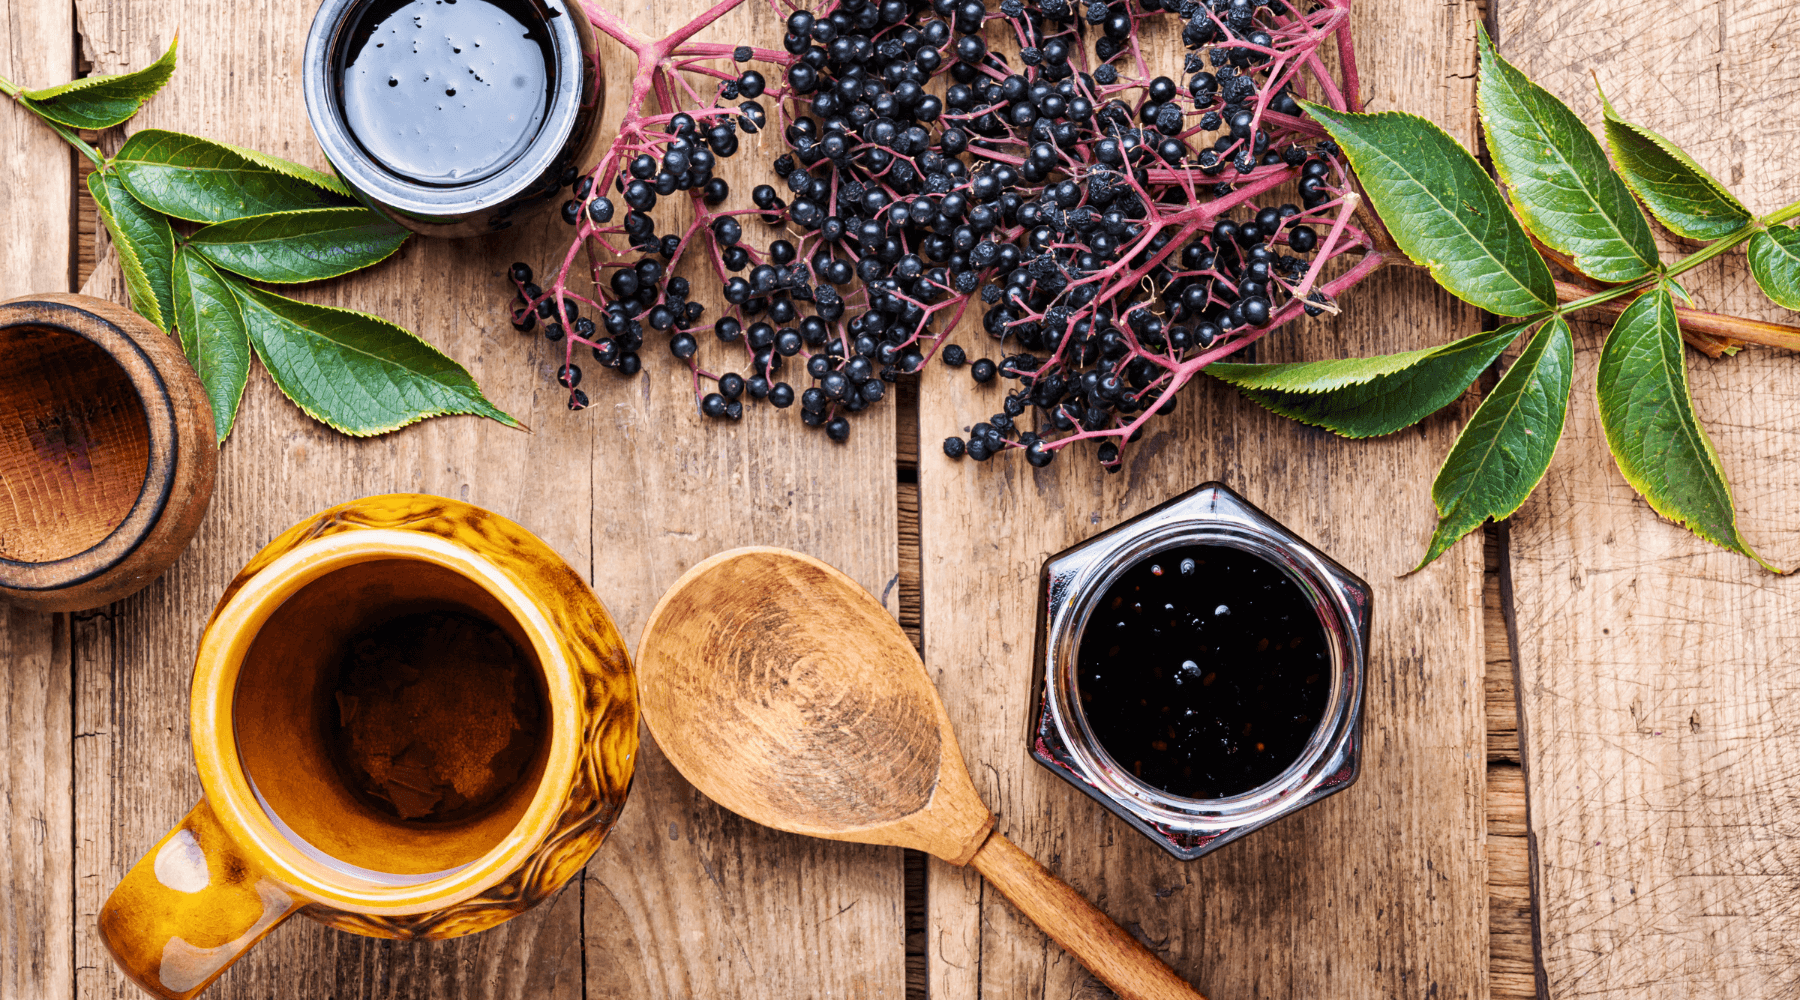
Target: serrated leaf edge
{"points": [[491, 411], [1438, 545], [298, 171], [137, 280], [1418, 357], [163, 67], [200, 245], [220, 434], [1611, 117], [1501, 68], [1760, 242], [251, 157], [1742, 546], [1319, 113]]}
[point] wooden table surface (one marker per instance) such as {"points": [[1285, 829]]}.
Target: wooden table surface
{"points": [[1655, 670]]}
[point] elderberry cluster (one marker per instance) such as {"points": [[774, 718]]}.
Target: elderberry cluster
{"points": [[1114, 225]]}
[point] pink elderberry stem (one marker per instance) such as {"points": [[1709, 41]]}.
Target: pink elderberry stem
{"points": [[694, 27], [606, 21], [1348, 209], [1347, 59]]}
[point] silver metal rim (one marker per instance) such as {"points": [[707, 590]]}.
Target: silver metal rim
{"points": [[1245, 529], [449, 203]]}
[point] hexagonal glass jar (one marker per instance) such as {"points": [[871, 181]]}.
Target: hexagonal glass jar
{"points": [[1073, 583]]}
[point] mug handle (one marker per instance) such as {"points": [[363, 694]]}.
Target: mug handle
{"points": [[189, 909]]}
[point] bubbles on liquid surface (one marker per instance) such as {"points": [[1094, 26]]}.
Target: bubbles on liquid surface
{"points": [[456, 132]]}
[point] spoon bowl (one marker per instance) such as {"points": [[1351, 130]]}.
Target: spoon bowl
{"points": [[786, 693]]}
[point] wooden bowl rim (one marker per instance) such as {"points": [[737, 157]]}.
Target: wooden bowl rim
{"points": [[159, 471]]}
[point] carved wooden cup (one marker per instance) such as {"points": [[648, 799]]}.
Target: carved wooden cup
{"points": [[285, 828], [106, 452]]}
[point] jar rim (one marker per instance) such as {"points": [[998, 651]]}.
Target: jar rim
{"points": [[439, 202], [1103, 560]]}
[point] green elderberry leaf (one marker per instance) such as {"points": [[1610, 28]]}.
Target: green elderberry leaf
{"points": [[1561, 182], [1648, 414], [146, 247], [1503, 453], [212, 335], [1678, 191], [1369, 397], [354, 372], [1442, 209], [1775, 262], [300, 246], [98, 102], [205, 181]]}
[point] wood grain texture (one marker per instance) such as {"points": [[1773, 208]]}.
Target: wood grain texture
{"points": [[714, 905], [1105, 950], [36, 856], [1512, 954], [1377, 892], [36, 853], [1655, 670], [109, 461], [688, 901]]}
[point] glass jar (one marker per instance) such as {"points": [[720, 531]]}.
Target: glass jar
{"points": [[531, 176], [1074, 582]]}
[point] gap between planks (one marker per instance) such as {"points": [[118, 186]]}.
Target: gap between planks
{"points": [[1510, 957]]}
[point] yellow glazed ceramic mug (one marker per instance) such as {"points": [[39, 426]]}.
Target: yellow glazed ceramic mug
{"points": [[318, 679]]}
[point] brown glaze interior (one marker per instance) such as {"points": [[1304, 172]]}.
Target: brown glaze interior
{"points": [[285, 706], [74, 444]]}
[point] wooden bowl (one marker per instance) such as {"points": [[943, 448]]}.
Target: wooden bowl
{"points": [[107, 453]]}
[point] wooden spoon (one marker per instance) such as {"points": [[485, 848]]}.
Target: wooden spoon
{"points": [[786, 693]]}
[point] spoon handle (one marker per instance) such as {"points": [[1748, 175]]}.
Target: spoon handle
{"points": [[1111, 954]]}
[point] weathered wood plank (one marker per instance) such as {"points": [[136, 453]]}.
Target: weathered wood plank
{"points": [[239, 81], [631, 492], [1654, 668], [716, 906], [36, 851], [1377, 892], [36, 854]]}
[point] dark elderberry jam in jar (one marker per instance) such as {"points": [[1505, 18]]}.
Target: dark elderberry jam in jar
{"points": [[1203, 671], [1200, 671], [455, 117], [446, 91]]}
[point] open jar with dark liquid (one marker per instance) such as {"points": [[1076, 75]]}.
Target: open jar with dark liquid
{"points": [[1200, 671], [454, 117]]}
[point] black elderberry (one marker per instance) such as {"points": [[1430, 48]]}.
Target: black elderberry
{"points": [[683, 345], [953, 447], [983, 370], [781, 394], [713, 405]]}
